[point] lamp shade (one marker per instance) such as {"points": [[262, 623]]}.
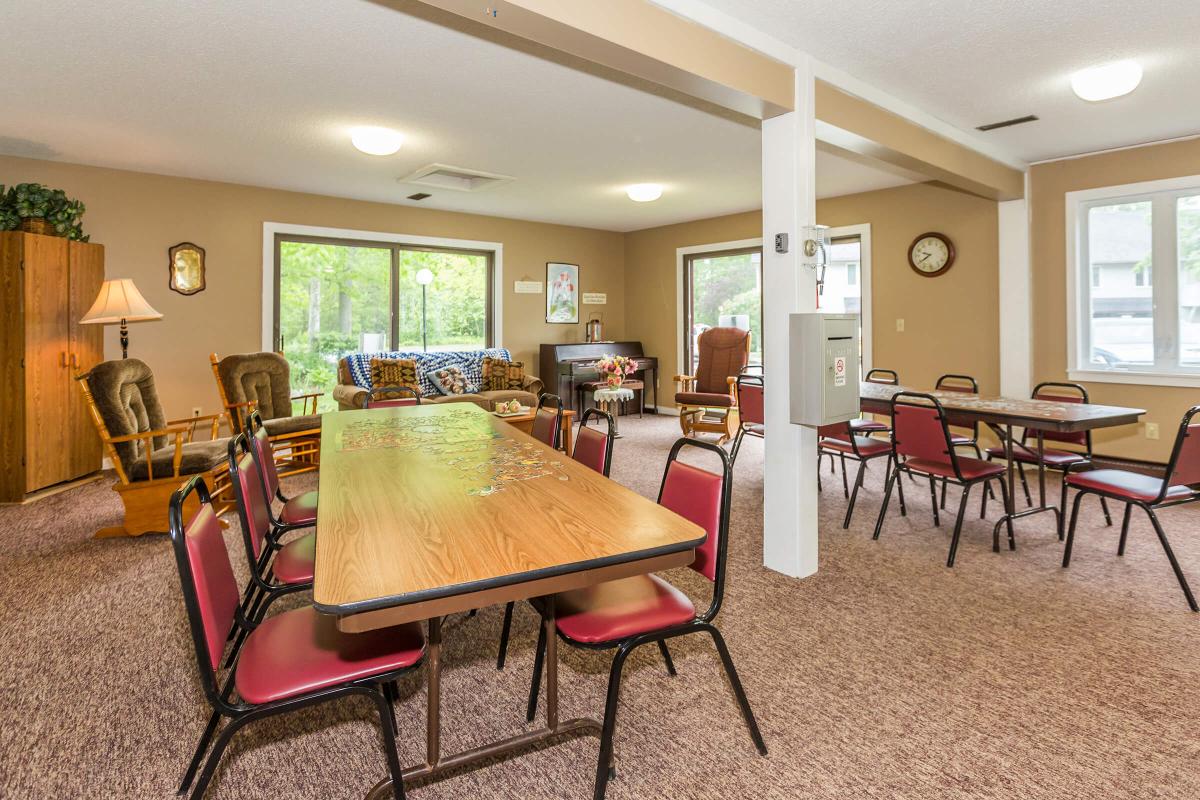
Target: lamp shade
{"points": [[119, 301]]}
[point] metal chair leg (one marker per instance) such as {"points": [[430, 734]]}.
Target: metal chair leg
{"points": [[389, 743], [536, 685], [1124, 529], [1162, 537], [933, 501], [1004, 490], [1062, 514], [604, 761], [201, 748], [887, 495], [1024, 484], [1104, 507], [214, 757], [962, 509], [853, 495], [738, 691], [666, 654], [900, 497], [942, 504], [845, 480], [504, 631], [1066, 562]]}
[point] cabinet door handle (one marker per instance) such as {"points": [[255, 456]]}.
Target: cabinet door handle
{"points": [[75, 360], [62, 359]]}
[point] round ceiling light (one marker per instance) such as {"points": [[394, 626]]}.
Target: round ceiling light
{"points": [[376, 141], [644, 192], [1107, 80]]}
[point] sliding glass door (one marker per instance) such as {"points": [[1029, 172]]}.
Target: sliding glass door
{"points": [[722, 289]]}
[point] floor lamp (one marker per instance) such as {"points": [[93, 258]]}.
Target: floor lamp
{"points": [[120, 302], [424, 277]]}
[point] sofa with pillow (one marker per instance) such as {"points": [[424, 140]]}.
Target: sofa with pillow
{"points": [[482, 377]]}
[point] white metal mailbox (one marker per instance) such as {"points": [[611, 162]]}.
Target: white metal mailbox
{"points": [[824, 373]]}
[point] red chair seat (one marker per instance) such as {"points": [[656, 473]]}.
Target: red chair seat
{"points": [[868, 426], [867, 446], [1130, 485], [620, 609], [300, 510], [703, 399], [971, 468], [303, 651], [294, 562], [1053, 458]]}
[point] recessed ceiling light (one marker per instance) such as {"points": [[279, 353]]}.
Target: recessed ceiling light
{"points": [[644, 192], [376, 141], [1107, 80]]}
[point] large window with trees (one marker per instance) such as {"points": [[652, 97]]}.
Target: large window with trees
{"points": [[722, 289], [336, 296]]}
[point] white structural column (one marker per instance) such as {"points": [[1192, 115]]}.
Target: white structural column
{"points": [[789, 203], [1016, 300]]}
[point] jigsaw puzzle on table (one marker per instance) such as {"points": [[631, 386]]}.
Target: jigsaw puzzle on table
{"points": [[489, 469], [442, 433]]}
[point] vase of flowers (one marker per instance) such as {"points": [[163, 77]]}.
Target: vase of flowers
{"points": [[615, 370]]}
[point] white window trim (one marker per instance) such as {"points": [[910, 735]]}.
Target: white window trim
{"points": [[681, 254], [1075, 248], [270, 229], [863, 232]]}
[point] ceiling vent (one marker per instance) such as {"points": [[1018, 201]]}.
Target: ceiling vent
{"points": [[459, 179], [1008, 123], [419, 196]]}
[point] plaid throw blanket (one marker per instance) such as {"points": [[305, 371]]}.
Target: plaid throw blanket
{"points": [[469, 361]]}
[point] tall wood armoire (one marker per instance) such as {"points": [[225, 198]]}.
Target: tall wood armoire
{"points": [[47, 283]]}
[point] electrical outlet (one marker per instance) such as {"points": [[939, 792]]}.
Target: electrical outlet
{"points": [[1151, 430], [899, 326], [196, 411]]}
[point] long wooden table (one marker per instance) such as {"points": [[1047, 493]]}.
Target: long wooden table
{"points": [[1002, 414], [435, 509]]}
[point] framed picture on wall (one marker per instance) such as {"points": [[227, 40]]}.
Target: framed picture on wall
{"points": [[562, 292]]}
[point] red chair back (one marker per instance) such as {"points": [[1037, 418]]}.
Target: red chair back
{"points": [[888, 377], [593, 446], [248, 488], [750, 394], [210, 590], [264, 453], [919, 429], [703, 498], [1064, 393], [834, 430], [963, 384], [547, 420], [1184, 466]]}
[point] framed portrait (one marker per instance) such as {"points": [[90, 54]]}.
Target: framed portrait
{"points": [[562, 292], [185, 263]]}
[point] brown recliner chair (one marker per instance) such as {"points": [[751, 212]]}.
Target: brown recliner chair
{"points": [[150, 454], [707, 401], [261, 382]]}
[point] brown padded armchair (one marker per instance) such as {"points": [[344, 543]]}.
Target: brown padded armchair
{"points": [[150, 454], [261, 382], [707, 401]]}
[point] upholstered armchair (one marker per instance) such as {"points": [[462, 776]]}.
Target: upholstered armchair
{"points": [[707, 401], [150, 454], [261, 382]]}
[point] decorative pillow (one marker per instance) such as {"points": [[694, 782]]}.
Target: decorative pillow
{"points": [[500, 375], [392, 372], [450, 381]]}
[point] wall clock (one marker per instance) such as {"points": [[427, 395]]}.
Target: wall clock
{"points": [[931, 254]]}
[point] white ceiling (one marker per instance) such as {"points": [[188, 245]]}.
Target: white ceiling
{"points": [[970, 63], [264, 93]]}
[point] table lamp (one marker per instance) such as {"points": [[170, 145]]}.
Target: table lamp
{"points": [[120, 302]]}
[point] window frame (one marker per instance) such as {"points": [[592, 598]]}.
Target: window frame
{"points": [[689, 260], [1164, 284]]}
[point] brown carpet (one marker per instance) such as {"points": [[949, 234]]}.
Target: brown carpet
{"points": [[884, 676]]}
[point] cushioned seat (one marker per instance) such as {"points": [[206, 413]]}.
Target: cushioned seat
{"points": [[971, 468], [703, 399], [868, 426], [197, 457], [300, 510], [1130, 485], [1053, 458], [866, 445], [281, 426], [302, 651], [294, 562], [620, 609]]}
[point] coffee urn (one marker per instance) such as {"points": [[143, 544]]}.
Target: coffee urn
{"points": [[593, 330]]}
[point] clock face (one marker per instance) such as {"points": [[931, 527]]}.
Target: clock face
{"points": [[931, 254]]}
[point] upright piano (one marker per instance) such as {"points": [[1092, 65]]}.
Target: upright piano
{"points": [[565, 367]]}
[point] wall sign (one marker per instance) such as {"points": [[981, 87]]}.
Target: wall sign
{"points": [[595, 298], [527, 287]]}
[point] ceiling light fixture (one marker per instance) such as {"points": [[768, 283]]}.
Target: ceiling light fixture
{"points": [[376, 141], [644, 192], [1107, 80]]}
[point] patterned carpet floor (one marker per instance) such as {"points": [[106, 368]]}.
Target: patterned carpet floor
{"points": [[885, 675]]}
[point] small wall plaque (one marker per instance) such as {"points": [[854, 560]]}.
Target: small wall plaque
{"points": [[185, 266], [595, 298], [527, 287]]}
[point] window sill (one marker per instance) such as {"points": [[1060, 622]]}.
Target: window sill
{"points": [[1136, 378]]}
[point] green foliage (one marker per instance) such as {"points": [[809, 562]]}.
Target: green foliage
{"points": [[728, 285], [35, 201]]}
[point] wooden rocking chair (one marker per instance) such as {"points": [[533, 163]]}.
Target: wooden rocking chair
{"points": [[707, 401]]}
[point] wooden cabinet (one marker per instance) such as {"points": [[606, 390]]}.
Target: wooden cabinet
{"points": [[46, 435]]}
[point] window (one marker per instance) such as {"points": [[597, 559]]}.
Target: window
{"points": [[336, 296], [852, 274], [723, 288], [1130, 318]]}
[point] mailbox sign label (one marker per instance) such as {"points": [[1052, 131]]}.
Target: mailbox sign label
{"points": [[839, 371]]}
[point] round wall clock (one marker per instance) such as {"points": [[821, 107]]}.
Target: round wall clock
{"points": [[931, 254]]}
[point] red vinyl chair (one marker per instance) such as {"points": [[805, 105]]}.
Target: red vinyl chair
{"points": [[865, 426], [1074, 451], [838, 440], [290, 661], [547, 421], [921, 446], [1147, 493], [752, 419], [592, 449], [296, 512], [626, 614], [392, 397], [963, 384]]}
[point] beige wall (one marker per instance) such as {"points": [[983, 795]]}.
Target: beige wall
{"points": [[137, 216], [951, 322], [1049, 184]]}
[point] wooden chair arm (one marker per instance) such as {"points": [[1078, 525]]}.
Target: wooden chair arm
{"points": [[191, 423], [148, 437], [310, 394], [133, 437], [307, 398], [684, 378]]}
